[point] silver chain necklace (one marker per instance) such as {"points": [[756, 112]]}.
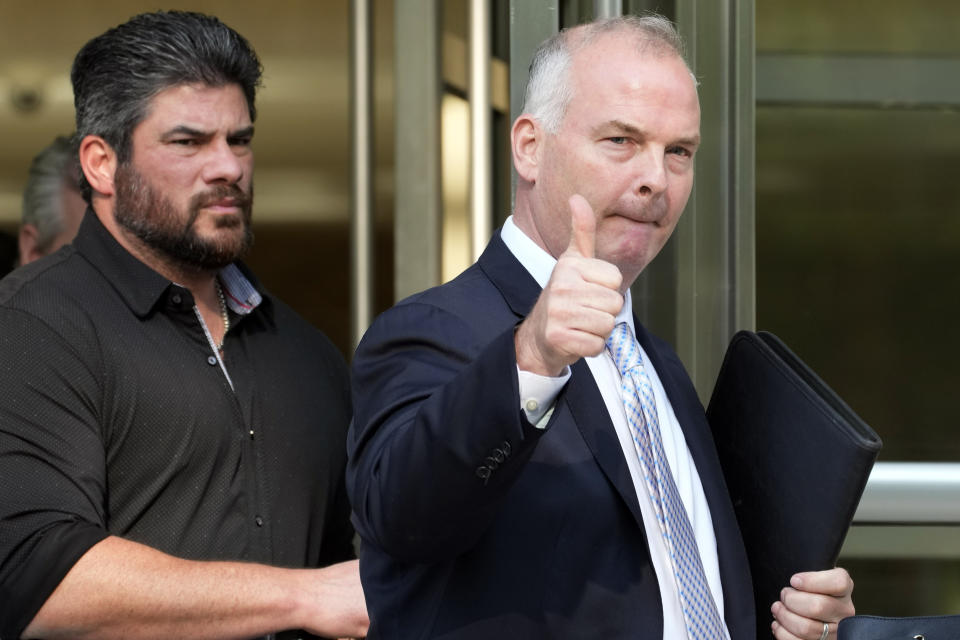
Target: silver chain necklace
{"points": [[223, 313]]}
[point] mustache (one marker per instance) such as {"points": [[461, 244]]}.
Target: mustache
{"points": [[241, 198], [221, 192]]}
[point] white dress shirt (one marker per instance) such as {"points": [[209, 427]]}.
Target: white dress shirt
{"points": [[537, 396]]}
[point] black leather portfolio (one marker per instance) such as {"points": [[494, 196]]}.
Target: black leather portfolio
{"points": [[920, 628], [795, 457]]}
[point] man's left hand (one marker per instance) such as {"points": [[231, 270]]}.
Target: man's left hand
{"points": [[812, 599]]}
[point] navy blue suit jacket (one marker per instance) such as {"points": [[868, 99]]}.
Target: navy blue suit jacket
{"points": [[475, 524]]}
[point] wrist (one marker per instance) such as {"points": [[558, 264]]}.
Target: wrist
{"points": [[530, 358], [293, 598]]}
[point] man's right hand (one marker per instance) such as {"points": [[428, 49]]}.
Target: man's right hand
{"points": [[339, 605], [576, 310]]}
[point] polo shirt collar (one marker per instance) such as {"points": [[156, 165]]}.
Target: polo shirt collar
{"points": [[140, 286]]}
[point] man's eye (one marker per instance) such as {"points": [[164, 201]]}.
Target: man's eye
{"points": [[680, 151], [241, 142], [184, 142], [618, 140]]}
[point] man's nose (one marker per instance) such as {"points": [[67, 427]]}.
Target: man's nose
{"points": [[651, 172], [223, 164]]}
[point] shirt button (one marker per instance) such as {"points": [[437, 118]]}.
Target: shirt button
{"points": [[259, 521], [176, 299], [532, 405], [211, 361]]}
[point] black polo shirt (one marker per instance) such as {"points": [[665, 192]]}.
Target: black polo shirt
{"points": [[116, 418]]}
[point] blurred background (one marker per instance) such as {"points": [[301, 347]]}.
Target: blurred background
{"points": [[858, 245], [843, 193]]}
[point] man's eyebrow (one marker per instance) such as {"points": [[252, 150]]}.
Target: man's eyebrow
{"points": [[246, 132], [184, 130], [620, 127], [693, 141]]}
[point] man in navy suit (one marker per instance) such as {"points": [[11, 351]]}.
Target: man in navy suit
{"points": [[493, 472]]}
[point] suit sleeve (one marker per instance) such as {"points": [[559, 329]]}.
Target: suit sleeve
{"points": [[438, 436], [52, 465]]}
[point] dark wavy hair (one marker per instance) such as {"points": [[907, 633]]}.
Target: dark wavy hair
{"points": [[116, 74]]}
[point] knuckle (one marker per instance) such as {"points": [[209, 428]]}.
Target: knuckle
{"points": [[819, 609], [572, 262], [553, 308], [597, 345], [562, 316], [562, 287], [614, 301], [846, 580], [848, 610], [616, 278], [552, 334], [607, 324]]}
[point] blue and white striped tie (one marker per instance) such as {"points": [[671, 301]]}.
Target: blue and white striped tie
{"points": [[699, 608]]}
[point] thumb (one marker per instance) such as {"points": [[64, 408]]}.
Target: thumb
{"points": [[583, 227]]}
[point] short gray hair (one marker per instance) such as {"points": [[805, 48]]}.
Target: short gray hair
{"points": [[52, 170], [549, 90]]}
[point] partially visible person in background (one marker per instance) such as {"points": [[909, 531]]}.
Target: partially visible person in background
{"points": [[8, 253], [52, 204]]}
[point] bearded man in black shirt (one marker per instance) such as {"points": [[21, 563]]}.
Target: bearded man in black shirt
{"points": [[172, 438]]}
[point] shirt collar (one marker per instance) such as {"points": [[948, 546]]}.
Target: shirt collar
{"points": [[139, 285], [540, 264], [242, 297]]}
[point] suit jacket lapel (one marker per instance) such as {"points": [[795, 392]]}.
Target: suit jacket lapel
{"points": [[516, 285], [590, 415]]}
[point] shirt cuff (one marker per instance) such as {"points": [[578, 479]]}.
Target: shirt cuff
{"points": [[538, 395]]}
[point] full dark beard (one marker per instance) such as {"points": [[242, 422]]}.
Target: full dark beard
{"points": [[155, 221]]}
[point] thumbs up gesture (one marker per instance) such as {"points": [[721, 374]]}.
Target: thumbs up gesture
{"points": [[576, 310]]}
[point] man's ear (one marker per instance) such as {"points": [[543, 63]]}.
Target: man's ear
{"points": [[526, 140], [98, 161], [28, 243]]}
